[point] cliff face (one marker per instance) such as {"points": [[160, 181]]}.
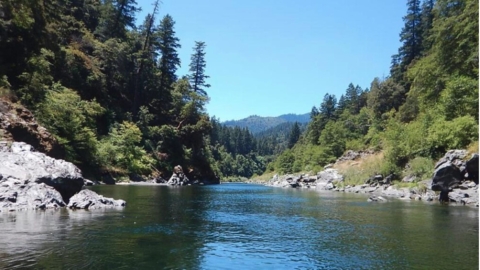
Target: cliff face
{"points": [[18, 124]]}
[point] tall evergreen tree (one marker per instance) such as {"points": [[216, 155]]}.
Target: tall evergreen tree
{"points": [[145, 58], [168, 44], [427, 16], [328, 107], [411, 38], [116, 16], [294, 135], [313, 113], [352, 98], [197, 69]]}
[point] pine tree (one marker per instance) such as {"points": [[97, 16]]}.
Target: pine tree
{"points": [[352, 98], [341, 105], [197, 69], [116, 16], [294, 135], [168, 44], [313, 113], [145, 58], [426, 24], [411, 37], [328, 107]]}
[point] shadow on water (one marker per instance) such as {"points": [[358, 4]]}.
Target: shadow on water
{"points": [[241, 226]]}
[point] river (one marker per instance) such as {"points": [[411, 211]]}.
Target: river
{"points": [[242, 226]]}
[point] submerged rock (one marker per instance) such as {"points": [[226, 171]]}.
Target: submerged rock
{"points": [[87, 199]]}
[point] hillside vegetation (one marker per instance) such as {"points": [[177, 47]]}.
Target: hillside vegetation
{"points": [[257, 124], [108, 90], [428, 104]]}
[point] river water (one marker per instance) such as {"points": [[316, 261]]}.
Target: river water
{"points": [[242, 226]]}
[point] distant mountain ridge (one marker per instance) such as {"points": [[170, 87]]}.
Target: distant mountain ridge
{"points": [[257, 124]]}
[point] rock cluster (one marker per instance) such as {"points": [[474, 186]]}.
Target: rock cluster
{"points": [[32, 180], [178, 178], [87, 199], [455, 178], [454, 174], [352, 155]]}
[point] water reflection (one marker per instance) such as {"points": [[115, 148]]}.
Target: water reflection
{"points": [[239, 226]]}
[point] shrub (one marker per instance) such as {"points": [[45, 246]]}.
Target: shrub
{"points": [[121, 150], [421, 167]]}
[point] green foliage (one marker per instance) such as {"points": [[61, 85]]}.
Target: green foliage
{"points": [[72, 120], [460, 97], [384, 96], [420, 167], [294, 135], [284, 163], [197, 69], [121, 150], [333, 138], [36, 79], [457, 133], [5, 87]]}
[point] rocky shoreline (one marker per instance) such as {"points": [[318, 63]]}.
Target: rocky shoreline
{"points": [[454, 178], [33, 180]]}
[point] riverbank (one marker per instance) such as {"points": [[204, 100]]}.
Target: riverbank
{"points": [[454, 181]]}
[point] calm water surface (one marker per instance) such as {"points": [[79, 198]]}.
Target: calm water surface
{"points": [[242, 226]]}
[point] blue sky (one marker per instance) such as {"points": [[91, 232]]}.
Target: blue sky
{"points": [[272, 57]]}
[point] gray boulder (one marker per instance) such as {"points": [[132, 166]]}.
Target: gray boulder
{"points": [[178, 177], [472, 168], [446, 177], [23, 195], [87, 199], [21, 162], [329, 175], [454, 157]]}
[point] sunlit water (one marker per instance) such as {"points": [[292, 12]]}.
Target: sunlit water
{"points": [[242, 226]]}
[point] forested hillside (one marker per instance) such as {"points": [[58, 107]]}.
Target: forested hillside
{"points": [[107, 89], [258, 124], [428, 104]]}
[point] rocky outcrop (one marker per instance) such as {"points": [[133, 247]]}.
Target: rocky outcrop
{"points": [[20, 161], [451, 171], [32, 180], [87, 199], [472, 168], [352, 155], [178, 177], [18, 124], [23, 195], [451, 178]]}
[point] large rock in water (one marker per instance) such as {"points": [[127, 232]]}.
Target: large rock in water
{"points": [[446, 177], [20, 161], [22, 166], [178, 177], [472, 168], [17, 195], [450, 173], [87, 199]]}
